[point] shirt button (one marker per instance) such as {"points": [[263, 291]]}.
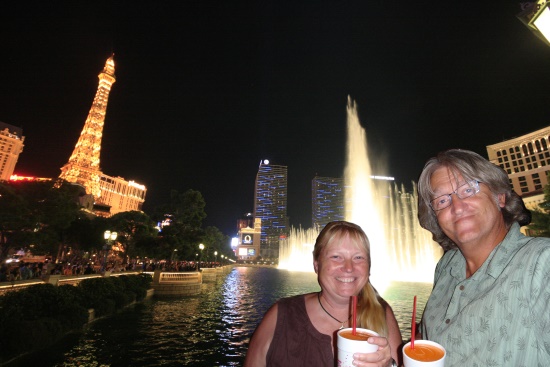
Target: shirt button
{"points": [[461, 287], [447, 321]]}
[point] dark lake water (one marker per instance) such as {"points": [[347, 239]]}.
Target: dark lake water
{"points": [[209, 329]]}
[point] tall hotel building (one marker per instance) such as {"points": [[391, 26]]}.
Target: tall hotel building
{"points": [[270, 205], [327, 201], [11, 145], [526, 159], [110, 195]]}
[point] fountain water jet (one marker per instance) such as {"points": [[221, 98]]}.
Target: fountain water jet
{"points": [[400, 248], [361, 192], [296, 252]]}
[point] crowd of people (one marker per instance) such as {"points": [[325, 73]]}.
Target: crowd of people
{"points": [[21, 270], [30, 270]]}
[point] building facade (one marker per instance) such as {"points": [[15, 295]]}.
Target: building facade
{"points": [[327, 201], [270, 205], [526, 160], [121, 195], [11, 145], [249, 242], [247, 220]]}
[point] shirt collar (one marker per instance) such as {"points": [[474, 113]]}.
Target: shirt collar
{"points": [[496, 261]]}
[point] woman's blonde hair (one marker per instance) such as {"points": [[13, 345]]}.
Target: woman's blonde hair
{"points": [[371, 307], [372, 310]]}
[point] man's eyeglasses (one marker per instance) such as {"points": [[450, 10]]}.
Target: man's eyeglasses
{"points": [[464, 191]]}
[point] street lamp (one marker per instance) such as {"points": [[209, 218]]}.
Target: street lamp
{"points": [[109, 238], [175, 255], [536, 16], [201, 247], [215, 257]]}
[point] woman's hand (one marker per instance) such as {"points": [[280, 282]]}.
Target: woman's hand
{"points": [[380, 358]]}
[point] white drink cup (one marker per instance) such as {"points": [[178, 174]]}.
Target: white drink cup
{"points": [[423, 349], [347, 347]]}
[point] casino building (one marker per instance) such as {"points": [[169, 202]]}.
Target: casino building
{"points": [[248, 245], [526, 159], [11, 145]]}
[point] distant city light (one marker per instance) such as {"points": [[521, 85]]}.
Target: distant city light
{"points": [[382, 178], [542, 21], [134, 184], [28, 178]]}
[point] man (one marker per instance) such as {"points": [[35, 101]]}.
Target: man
{"points": [[489, 303]]}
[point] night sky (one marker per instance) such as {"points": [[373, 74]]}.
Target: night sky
{"points": [[205, 90]]}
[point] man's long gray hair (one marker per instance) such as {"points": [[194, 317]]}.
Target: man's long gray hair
{"points": [[471, 166]]}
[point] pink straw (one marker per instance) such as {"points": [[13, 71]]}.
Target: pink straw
{"points": [[413, 327], [354, 314]]}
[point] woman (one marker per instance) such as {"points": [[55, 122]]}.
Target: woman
{"points": [[300, 330]]}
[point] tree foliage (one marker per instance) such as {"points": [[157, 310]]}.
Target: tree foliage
{"points": [[132, 226], [185, 213], [35, 317], [214, 241], [36, 213], [13, 215], [540, 219], [50, 220]]}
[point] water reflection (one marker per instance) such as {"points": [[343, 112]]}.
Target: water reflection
{"points": [[210, 329]]}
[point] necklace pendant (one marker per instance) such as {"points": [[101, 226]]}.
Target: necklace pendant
{"points": [[341, 327]]}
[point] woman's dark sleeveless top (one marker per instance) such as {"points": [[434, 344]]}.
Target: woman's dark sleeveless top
{"points": [[296, 342]]}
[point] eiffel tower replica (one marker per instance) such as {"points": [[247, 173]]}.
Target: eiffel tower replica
{"points": [[83, 165]]}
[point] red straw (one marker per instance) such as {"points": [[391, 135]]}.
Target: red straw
{"points": [[354, 314], [413, 327]]}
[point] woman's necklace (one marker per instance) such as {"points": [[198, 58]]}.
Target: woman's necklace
{"points": [[341, 322]]}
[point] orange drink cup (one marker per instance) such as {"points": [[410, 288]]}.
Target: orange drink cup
{"points": [[348, 344], [425, 354]]}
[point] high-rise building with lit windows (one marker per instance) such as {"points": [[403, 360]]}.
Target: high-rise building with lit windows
{"points": [[270, 205], [327, 201], [526, 160], [11, 145], [111, 195], [121, 195]]}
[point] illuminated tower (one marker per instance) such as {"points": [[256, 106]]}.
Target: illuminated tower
{"points": [[270, 205], [83, 166]]}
